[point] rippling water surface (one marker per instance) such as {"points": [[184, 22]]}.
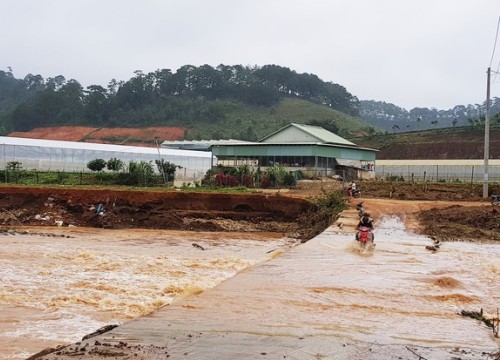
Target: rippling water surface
{"points": [[329, 291], [55, 290], [402, 292]]}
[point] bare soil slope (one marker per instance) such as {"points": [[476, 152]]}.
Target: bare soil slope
{"points": [[115, 209], [460, 143], [122, 136]]}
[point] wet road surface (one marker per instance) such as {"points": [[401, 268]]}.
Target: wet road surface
{"points": [[328, 299]]}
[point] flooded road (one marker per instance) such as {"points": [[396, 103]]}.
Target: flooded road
{"points": [[328, 299], [56, 289], [402, 292]]}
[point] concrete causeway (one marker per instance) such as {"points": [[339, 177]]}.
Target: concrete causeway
{"points": [[306, 303]]}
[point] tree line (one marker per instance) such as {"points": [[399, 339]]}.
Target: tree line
{"points": [[396, 119], [162, 97]]}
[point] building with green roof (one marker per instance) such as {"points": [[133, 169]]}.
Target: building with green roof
{"points": [[305, 147]]}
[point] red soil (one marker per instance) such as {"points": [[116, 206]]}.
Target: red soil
{"points": [[168, 210], [123, 136]]}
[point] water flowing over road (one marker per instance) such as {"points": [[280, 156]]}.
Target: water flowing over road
{"points": [[61, 284], [327, 298]]}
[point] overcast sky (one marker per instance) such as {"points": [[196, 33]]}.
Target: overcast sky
{"points": [[420, 53]]}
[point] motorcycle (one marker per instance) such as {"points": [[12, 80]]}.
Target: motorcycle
{"points": [[365, 236], [353, 193]]}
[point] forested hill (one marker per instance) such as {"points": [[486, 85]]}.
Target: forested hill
{"points": [[393, 118], [226, 101]]}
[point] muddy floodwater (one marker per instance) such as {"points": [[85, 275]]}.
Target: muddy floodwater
{"points": [[400, 292], [326, 298], [55, 289]]}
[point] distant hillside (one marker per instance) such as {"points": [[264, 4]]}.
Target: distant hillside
{"points": [[239, 122], [253, 123], [239, 102], [227, 101], [458, 143], [393, 118]]}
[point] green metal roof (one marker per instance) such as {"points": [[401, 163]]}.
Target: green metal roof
{"points": [[323, 135], [266, 149]]}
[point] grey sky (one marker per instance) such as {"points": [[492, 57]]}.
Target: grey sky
{"points": [[425, 53]]}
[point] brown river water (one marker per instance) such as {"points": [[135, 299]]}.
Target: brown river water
{"points": [[55, 290]]}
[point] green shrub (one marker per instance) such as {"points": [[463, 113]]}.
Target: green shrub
{"points": [[332, 202], [289, 180], [96, 164], [115, 164]]}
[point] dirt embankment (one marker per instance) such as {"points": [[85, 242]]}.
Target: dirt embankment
{"points": [[443, 211], [115, 209], [451, 211], [425, 191]]}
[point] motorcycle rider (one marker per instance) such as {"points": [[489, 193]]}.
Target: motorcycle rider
{"points": [[351, 189], [364, 221], [353, 186]]}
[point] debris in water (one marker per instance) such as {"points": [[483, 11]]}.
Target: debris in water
{"points": [[198, 246], [100, 331], [478, 315]]}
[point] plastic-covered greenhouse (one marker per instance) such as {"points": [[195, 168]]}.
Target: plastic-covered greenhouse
{"points": [[73, 156], [469, 170]]}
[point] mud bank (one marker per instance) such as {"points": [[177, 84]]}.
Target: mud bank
{"points": [[168, 210]]}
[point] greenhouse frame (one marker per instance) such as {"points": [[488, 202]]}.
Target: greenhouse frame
{"points": [[69, 156], [466, 170]]}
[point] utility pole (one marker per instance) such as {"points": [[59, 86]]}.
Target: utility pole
{"points": [[160, 163], [486, 135]]}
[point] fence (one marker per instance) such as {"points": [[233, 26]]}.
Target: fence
{"points": [[33, 177], [438, 173]]}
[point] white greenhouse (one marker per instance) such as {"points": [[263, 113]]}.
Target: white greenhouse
{"points": [[469, 170], [36, 154]]}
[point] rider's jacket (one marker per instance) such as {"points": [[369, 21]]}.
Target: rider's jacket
{"points": [[366, 222]]}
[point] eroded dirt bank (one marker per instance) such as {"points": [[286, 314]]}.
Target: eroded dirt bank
{"points": [[168, 210], [446, 211], [443, 220], [441, 210]]}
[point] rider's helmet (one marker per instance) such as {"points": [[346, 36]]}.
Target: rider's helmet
{"points": [[365, 214]]}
